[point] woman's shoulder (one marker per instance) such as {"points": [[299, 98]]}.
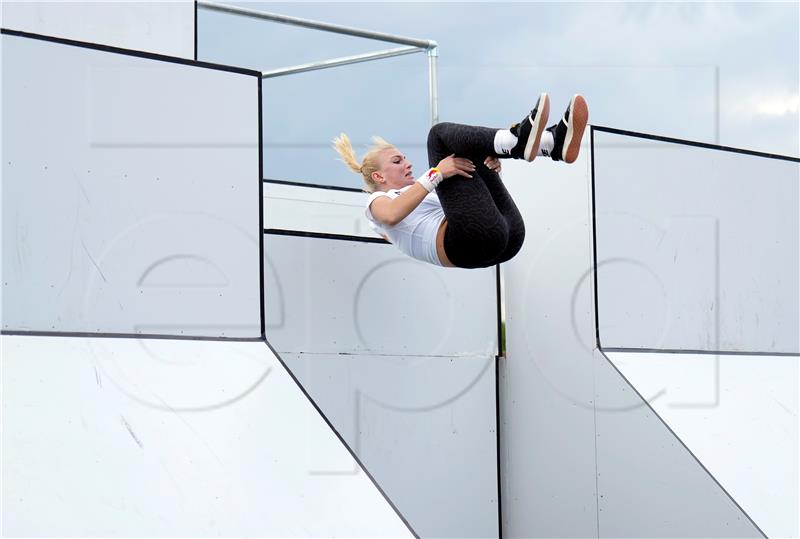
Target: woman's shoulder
{"points": [[391, 193], [375, 195]]}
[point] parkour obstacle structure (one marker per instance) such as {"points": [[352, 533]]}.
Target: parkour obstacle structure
{"points": [[190, 350]]}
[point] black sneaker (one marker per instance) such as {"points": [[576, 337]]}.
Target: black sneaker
{"points": [[529, 130], [567, 133]]}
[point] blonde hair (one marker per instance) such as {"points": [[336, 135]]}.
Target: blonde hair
{"points": [[368, 165]]}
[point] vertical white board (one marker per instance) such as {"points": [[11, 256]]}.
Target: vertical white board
{"points": [[698, 248], [350, 296], [157, 27], [546, 384], [131, 194]]}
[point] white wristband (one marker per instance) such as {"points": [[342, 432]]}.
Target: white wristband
{"points": [[430, 179]]}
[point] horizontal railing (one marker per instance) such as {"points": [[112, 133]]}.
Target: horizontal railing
{"points": [[317, 25], [411, 46]]}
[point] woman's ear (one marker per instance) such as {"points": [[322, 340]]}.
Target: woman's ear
{"points": [[377, 177]]}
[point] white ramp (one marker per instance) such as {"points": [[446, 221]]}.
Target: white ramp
{"points": [[697, 305], [738, 415], [582, 453], [158, 437]]}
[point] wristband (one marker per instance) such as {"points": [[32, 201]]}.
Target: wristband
{"points": [[430, 179]]}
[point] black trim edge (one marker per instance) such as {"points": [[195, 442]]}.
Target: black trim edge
{"points": [[322, 235], [497, 434], [501, 349], [694, 143], [315, 186], [260, 205], [149, 336], [700, 352], [131, 52], [339, 436], [594, 242], [680, 441]]}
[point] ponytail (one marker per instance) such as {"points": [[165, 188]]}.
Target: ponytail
{"points": [[370, 163]]}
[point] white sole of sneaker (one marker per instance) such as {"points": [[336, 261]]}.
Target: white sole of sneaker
{"points": [[578, 118], [537, 126]]}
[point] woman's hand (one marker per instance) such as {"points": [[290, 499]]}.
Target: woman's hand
{"points": [[452, 166], [492, 163]]}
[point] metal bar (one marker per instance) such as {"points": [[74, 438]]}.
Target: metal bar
{"points": [[433, 84], [307, 23], [716, 106], [335, 62]]}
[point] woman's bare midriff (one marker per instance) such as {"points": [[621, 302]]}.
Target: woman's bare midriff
{"points": [[440, 245]]}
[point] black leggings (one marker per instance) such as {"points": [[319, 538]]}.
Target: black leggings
{"points": [[484, 226]]}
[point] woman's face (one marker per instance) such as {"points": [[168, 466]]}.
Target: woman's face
{"points": [[395, 171]]}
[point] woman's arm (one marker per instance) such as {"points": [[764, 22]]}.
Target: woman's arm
{"points": [[388, 211]]}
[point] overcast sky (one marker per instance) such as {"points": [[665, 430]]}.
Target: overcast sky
{"points": [[713, 72]]}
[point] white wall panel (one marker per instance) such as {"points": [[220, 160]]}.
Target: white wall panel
{"points": [[546, 385], [738, 415], [157, 27], [160, 438], [424, 427], [699, 249], [400, 355], [315, 210], [130, 194], [338, 296]]}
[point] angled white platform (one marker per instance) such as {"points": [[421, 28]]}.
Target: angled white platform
{"points": [[738, 415], [581, 453], [127, 437]]}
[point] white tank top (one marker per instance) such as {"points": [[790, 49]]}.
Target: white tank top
{"points": [[416, 234]]}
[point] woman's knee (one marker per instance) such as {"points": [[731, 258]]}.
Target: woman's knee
{"points": [[516, 237], [514, 245], [437, 129], [437, 133]]}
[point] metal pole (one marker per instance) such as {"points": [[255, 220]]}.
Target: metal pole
{"points": [[307, 23], [433, 82], [716, 106], [335, 62]]}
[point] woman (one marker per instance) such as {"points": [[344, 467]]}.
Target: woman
{"points": [[471, 220]]}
